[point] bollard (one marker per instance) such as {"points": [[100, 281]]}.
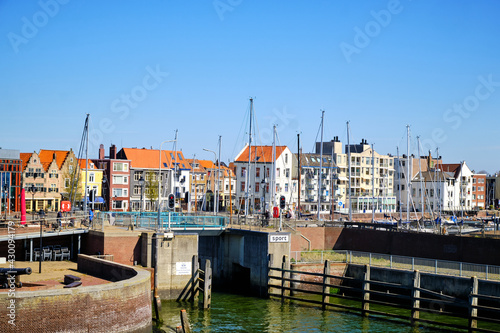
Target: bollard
{"points": [[185, 322]]}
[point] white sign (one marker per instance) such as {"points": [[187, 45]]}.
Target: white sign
{"points": [[183, 268], [278, 239]]}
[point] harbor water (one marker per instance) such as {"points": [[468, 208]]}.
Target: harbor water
{"points": [[234, 313]]}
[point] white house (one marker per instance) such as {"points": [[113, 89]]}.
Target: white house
{"points": [[264, 177]]}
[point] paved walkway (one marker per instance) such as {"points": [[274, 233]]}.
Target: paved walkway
{"points": [[52, 276]]}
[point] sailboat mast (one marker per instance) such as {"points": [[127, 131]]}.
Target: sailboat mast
{"points": [[320, 173], [373, 184], [87, 191], [247, 201], [299, 175], [408, 176], [349, 166], [273, 175], [399, 186], [172, 188], [438, 197], [422, 202]]}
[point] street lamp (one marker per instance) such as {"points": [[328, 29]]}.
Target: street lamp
{"points": [[33, 190], [216, 188], [141, 182], [159, 185], [5, 187]]}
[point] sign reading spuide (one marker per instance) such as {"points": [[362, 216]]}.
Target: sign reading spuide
{"points": [[279, 238], [183, 268]]}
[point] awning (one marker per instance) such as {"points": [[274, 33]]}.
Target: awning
{"points": [[97, 200], [343, 178]]}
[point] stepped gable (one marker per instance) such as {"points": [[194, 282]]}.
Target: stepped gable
{"points": [[47, 156], [25, 157]]}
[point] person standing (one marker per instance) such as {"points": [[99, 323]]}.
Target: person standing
{"points": [[91, 217]]}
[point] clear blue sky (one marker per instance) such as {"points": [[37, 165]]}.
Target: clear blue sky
{"points": [[145, 68]]}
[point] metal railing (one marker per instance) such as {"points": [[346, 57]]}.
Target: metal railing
{"points": [[455, 268], [149, 220]]}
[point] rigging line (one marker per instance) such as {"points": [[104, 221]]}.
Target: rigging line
{"points": [[316, 139], [240, 137]]}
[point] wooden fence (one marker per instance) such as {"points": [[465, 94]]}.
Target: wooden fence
{"points": [[284, 284]]}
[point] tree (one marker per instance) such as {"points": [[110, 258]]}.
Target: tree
{"points": [[151, 187], [72, 186]]}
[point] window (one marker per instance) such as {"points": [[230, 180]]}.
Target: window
{"points": [[120, 192], [120, 166], [120, 180], [137, 175], [286, 158], [91, 177], [277, 172], [267, 172], [243, 171], [287, 173], [242, 186], [286, 187], [137, 190], [257, 187], [257, 172]]}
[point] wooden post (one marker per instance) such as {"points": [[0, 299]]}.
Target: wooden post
{"points": [[207, 288], [365, 305], [195, 278], [270, 274], [284, 266], [473, 304], [185, 322], [415, 313], [326, 288]]}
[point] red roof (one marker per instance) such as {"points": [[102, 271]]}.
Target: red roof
{"points": [[260, 154], [25, 157], [150, 158], [47, 156], [455, 168]]}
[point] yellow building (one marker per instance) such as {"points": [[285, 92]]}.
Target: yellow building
{"points": [[92, 179]]}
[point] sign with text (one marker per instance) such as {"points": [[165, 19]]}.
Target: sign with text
{"points": [[279, 238], [65, 206], [183, 268]]}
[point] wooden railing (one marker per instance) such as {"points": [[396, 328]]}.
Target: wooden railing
{"points": [[283, 285]]}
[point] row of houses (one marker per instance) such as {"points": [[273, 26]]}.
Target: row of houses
{"points": [[127, 180]]}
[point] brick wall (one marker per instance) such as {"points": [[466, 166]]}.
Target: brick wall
{"points": [[124, 246], [123, 306]]}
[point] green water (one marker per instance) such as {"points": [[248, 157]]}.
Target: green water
{"points": [[233, 313]]}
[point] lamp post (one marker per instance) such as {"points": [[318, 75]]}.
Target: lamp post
{"points": [[159, 186], [32, 189], [5, 187], [141, 182], [216, 188]]}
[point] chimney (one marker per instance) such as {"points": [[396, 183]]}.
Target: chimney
{"points": [[112, 152], [101, 152]]}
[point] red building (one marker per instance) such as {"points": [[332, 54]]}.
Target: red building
{"points": [[478, 191], [116, 180], [10, 181]]}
